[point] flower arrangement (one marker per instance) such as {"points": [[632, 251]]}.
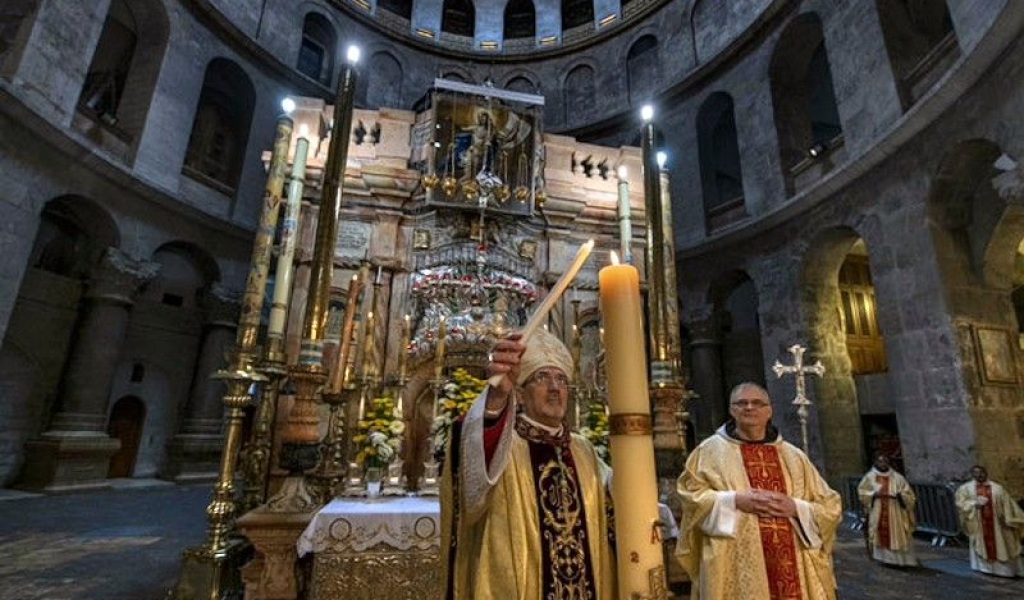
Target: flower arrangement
{"points": [[457, 395], [379, 434], [595, 429]]}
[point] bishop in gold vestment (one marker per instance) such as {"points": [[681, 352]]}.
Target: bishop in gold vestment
{"points": [[994, 523], [889, 501], [525, 513], [759, 522]]}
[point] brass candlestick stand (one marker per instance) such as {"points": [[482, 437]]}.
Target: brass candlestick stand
{"points": [[210, 570]]}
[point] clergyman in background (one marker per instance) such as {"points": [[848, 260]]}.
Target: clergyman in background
{"points": [[889, 502], [993, 522]]}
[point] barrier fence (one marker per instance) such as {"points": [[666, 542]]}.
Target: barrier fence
{"points": [[935, 511]]}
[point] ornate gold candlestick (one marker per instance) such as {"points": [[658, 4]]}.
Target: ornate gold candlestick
{"points": [[301, 439], [204, 573], [273, 367]]}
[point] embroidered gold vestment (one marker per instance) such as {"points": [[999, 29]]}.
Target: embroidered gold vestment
{"points": [[890, 519], [722, 548], [519, 527]]}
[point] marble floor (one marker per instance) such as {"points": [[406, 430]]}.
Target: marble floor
{"points": [[125, 544]]}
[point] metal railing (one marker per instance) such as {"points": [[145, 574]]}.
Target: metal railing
{"points": [[935, 511]]}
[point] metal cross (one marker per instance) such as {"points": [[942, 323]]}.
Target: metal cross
{"points": [[799, 370]]}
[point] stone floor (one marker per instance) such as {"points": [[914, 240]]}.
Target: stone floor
{"points": [[125, 544]]}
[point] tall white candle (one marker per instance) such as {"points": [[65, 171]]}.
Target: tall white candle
{"points": [[625, 224], [634, 487], [286, 255]]}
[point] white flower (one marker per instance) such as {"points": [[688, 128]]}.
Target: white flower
{"points": [[385, 452], [377, 438], [395, 443], [397, 427]]}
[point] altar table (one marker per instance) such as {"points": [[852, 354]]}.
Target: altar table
{"points": [[365, 548]]}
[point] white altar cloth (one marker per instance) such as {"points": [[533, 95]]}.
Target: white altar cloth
{"points": [[358, 524]]}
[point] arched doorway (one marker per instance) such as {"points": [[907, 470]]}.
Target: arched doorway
{"points": [[125, 424]]}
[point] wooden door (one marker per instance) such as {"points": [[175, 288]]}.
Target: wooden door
{"points": [[126, 420]]}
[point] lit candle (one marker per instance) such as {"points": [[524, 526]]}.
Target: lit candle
{"points": [[634, 487], [625, 225], [380, 271], [538, 317], [442, 335]]}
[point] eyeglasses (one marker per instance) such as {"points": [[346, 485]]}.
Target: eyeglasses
{"points": [[750, 403], [546, 379]]}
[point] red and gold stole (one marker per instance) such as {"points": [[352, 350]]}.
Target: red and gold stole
{"points": [[764, 472], [883, 512], [988, 521]]}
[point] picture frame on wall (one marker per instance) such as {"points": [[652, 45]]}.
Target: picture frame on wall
{"points": [[997, 358]]}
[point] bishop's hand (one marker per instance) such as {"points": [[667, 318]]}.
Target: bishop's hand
{"points": [[504, 359]]}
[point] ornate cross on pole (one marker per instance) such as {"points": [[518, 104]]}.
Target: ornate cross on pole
{"points": [[799, 370]]}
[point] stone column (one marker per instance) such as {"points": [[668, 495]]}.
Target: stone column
{"points": [[75, 451], [706, 376], [194, 453]]}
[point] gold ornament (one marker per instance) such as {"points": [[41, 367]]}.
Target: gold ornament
{"points": [[449, 185], [430, 181], [522, 193], [503, 194], [540, 197], [471, 189]]}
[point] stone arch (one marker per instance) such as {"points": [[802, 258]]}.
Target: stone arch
{"points": [[727, 348], [521, 83], [836, 400], [384, 80], [125, 65], [73, 233], [803, 95], [317, 48], [458, 17], [220, 126], [520, 20], [125, 423], [720, 170], [642, 66], [579, 89], [186, 273], [456, 73], [920, 42], [977, 221]]}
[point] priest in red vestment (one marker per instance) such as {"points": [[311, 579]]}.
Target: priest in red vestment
{"points": [[889, 502], [994, 523], [758, 519]]}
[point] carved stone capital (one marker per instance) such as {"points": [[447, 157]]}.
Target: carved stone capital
{"points": [[221, 306], [119, 278], [1009, 184]]}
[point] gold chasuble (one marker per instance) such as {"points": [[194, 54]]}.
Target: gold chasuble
{"points": [[530, 523], [995, 524], [731, 554], [889, 501]]}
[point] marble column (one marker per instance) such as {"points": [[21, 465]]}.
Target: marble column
{"points": [[706, 376], [194, 452], [75, 451]]}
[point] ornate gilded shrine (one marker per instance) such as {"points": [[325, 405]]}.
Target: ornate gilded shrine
{"points": [[453, 222]]}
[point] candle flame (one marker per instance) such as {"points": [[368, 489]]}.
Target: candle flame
{"points": [[614, 257]]}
